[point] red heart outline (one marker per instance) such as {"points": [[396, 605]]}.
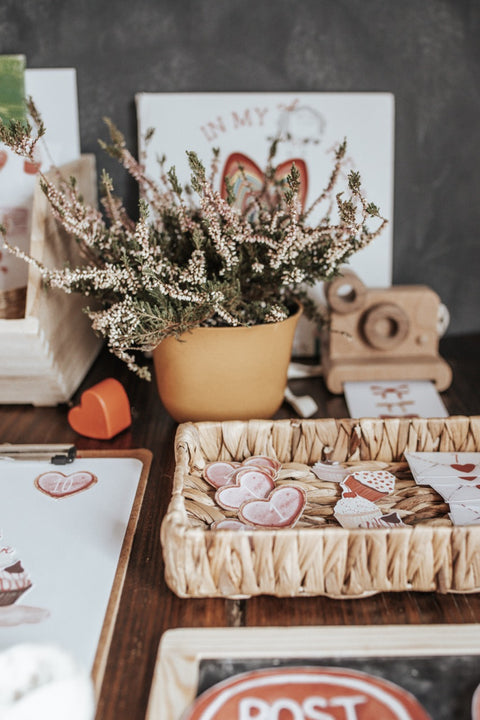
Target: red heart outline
{"points": [[245, 175], [57, 485]]}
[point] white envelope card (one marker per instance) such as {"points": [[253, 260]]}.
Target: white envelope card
{"points": [[428, 466], [464, 514]]}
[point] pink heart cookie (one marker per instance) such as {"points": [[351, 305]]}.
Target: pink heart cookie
{"points": [[250, 484], [281, 509], [264, 461], [220, 473], [229, 524], [57, 485]]}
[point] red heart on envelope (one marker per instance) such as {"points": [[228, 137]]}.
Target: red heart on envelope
{"points": [[466, 468], [104, 411], [250, 483], [57, 485], [281, 509]]}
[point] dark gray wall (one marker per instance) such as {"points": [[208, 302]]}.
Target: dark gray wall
{"points": [[427, 52]]}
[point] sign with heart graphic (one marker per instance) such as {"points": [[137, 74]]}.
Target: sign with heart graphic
{"points": [[281, 509], [250, 484], [57, 485]]}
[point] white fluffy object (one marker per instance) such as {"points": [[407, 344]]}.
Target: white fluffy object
{"points": [[45, 683]]}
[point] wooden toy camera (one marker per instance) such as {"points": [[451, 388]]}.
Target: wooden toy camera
{"points": [[381, 334]]}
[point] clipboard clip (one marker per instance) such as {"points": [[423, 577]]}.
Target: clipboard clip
{"points": [[55, 454]]}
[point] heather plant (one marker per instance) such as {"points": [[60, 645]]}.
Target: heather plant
{"points": [[193, 257]]}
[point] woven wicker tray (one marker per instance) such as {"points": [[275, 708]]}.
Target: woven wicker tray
{"points": [[317, 556]]}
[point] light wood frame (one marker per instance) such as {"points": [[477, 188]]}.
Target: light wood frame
{"points": [[175, 678]]}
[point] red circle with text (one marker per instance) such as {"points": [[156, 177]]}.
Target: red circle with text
{"points": [[306, 693]]}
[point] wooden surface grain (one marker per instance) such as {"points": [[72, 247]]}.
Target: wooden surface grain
{"points": [[148, 608]]}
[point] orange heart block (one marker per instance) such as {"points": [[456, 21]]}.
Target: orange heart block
{"points": [[281, 509], [104, 411], [57, 485]]}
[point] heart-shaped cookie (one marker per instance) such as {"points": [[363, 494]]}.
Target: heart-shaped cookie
{"points": [[250, 484], [57, 485], [220, 473], [230, 524], [281, 509], [104, 411], [264, 461]]}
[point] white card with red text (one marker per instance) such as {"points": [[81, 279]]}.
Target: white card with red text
{"points": [[393, 398]]}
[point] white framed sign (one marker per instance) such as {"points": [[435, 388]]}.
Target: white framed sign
{"points": [[312, 123]]}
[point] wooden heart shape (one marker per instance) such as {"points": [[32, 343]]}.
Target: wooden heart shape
{"points": [[104, 411], [281, 509], [220, 473], [3, 158], [250, 484], [466, 468], [57, 485]]}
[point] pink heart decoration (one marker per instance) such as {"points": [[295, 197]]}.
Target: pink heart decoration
{"points": [[466, 468], [220, 473], [281, 509], [264, 461], [250, 484], [57, 485]]}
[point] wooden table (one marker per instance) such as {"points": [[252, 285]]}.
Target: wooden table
{"points": [[147, 606]]}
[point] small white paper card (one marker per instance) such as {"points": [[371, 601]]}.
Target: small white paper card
{"points": [[54, 92], [393, 398], [312, 125]]}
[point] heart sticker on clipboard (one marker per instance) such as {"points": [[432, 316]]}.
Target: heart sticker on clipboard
{"points": [[57, 485]]}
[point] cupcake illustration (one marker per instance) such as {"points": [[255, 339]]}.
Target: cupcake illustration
{"points": [[370, 485], [356, 512], [14, 581]]}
